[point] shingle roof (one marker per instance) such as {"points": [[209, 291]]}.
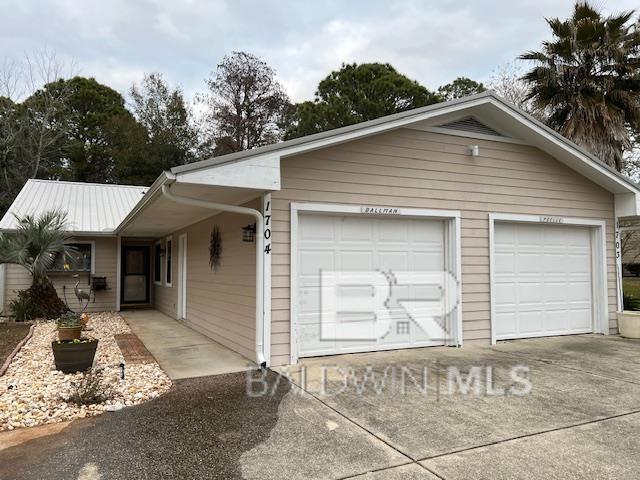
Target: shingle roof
{"points": [[90, 207]]}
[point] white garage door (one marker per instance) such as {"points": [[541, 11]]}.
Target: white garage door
{"points": [[355, 243], [543, 282]]}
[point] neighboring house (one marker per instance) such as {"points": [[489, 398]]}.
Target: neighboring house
{"points": [[521, 217]]}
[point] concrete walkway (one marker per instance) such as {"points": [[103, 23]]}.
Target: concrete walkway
{"points": [[181, 351]]}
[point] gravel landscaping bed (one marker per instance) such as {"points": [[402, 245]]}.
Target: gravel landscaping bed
{"points": [[33, 392]]}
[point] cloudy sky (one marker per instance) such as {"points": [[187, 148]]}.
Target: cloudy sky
{"points": [[432, 41]]}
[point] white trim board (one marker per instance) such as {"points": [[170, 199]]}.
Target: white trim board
{"points": [[266, 297], [453, 255], [181, 310], [599, 262]]}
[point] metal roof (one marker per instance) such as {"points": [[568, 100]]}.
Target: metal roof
{"points": [[90, 207]]}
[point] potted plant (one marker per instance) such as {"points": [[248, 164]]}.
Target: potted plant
{"points": [[74, 355], [69, 326], [629, 318]]}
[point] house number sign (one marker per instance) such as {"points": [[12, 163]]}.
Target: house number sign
{"points": [[380, 210], [552, 219], [266, 212]]}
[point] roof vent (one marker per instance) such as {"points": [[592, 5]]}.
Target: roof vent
{"points": [[470, 124]]}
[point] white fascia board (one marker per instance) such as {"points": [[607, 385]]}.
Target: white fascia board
{"points": [[261, 173]]}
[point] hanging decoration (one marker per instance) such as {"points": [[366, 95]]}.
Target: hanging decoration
{"points": [[215, 248]]}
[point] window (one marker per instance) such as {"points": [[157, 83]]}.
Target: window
{"points": [[157, 263], [168, 263], [79, 259]]}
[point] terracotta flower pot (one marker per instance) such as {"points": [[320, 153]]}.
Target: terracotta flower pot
{"points": [[73, 356], [69, 333]]}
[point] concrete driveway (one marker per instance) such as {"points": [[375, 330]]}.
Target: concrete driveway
{"points": [[375, 416]]}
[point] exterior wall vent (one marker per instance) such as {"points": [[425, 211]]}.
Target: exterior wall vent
{"points": [[470, 124]]}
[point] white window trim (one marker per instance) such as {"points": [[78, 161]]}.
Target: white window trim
{"points": [[453, 256], [166, 261], [598, 263], [158, 283], [181, 307]]}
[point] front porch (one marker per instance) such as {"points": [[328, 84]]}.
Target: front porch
{"points": [[181, 351]]}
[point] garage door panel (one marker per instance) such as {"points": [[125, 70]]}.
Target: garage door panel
{"points": [[542, 280], [351, 243], [317, 232], [504, 263], [393, 231], [505, 322], [394, 261], [354, 229], [355, 261], [315, 261], [427, 261]]}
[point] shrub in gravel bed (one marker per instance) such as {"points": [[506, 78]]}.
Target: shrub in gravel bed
{"points": [[33, 392]]}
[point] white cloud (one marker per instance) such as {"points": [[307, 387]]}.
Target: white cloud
{"points": [[432, 42]]}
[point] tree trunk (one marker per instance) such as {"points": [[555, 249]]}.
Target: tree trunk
{"points": [[43, 294]]}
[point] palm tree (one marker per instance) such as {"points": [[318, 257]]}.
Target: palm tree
{"points": [[588, 80], [39, 245]]}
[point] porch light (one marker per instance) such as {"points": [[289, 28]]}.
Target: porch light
{"points": [[249, 233]]}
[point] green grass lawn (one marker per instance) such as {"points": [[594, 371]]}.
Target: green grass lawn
{"points": [[631, 286]]}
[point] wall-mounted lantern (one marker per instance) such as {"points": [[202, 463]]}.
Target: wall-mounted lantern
{"points": [[249, 233]]}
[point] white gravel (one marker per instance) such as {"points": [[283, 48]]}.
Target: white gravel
{"points": [[33, 392]]}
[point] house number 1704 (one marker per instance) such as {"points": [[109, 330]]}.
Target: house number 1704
{"points": [[267, 227]]}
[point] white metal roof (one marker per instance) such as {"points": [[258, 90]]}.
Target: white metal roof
{"points": [[90, 207]]}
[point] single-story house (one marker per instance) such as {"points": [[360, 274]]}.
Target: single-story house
{"points": [[523, 220]]}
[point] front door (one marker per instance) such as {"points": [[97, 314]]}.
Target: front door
{"points": [[135, 274]]}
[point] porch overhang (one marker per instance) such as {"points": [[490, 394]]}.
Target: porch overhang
{"points": [[156, 215]]}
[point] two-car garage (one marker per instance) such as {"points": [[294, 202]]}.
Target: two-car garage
{"points": [[547, 274]]}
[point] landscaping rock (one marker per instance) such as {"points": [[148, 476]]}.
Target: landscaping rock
{"points": [[33, 392]]}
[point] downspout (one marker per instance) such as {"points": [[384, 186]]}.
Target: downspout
{"points": [[259, 347]]}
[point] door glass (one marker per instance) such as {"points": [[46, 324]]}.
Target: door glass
{"points": [[135, 288], [134, 264], [135, 275]]}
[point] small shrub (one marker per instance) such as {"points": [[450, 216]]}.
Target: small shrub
{"points": [[90, 389], [630, 302], [23, 307], [69, 320]]}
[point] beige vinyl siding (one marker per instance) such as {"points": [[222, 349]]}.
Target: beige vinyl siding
{"points": [[417, 169], [106, 257], [220, 303]]}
